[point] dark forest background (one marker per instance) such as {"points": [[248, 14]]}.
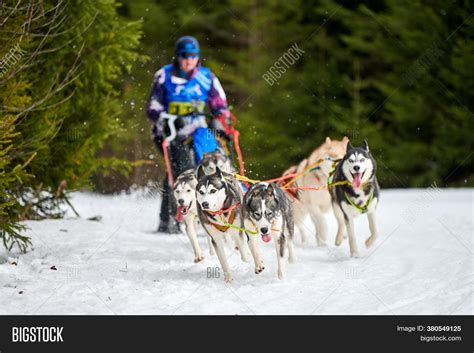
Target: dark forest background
{"points": [[76, 76]]}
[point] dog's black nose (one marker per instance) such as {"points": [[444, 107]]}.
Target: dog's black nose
{"points": [[205, 204], [181, 201], [264, 230], [356, 168]]}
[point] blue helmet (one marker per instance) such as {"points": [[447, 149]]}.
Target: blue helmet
{"points": [[187, 44]]}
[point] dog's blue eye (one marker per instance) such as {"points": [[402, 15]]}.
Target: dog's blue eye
{"points": [[213, 191], [351, 161], [362, 160]]}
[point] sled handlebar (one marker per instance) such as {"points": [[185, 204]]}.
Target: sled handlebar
{"points": [[170, 119]]}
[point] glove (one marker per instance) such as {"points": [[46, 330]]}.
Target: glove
{"points": [[221, 125]]}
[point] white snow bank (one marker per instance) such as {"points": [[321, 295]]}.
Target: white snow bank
{"points": [[421, 264]]}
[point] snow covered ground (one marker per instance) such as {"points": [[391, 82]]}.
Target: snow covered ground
{"points": [[421, 264]]}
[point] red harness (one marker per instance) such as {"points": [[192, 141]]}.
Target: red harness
{"points": [[225, 210], [220, 227]]}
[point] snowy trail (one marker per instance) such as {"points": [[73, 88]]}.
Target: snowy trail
{"points": [[421, 264]]}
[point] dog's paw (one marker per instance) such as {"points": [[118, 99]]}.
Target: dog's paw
{"points": [[292, 259], [355, 254], [198, 258], [338, 241], [319, 241], [259, 269], [281, 275], [227, 277], [370, 241]]}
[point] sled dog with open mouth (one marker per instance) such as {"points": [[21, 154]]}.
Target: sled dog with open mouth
{"points": [[184, 191], [219, 199], [267, 210], [355, 192]]}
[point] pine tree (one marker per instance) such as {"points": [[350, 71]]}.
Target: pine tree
{"points": [[59, 101], [384, 71]]}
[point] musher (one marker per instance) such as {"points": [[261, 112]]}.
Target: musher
{"points": [[184, 88]]}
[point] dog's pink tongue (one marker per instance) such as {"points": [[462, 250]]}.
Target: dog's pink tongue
{"points": [[266, 238], [357, 179], [179, 213]]}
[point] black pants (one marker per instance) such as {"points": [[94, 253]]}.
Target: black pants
{"points": [[181, 158]]}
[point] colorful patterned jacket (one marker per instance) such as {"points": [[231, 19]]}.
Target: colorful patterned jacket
{"points": [[177, 95]]}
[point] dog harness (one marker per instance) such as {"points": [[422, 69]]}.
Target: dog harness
{"points": [[230, 221], [361, 209]]}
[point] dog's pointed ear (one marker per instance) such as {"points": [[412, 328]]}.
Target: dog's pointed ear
{"points": [[349, 146], [200, 172], [366, 145], [270, 189], [248, 198], [219, 172], [272, 192]]}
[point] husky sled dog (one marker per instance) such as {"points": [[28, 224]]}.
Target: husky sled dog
{"points": [[184, 191], [316, 202], [218, 158], [358, 193], [266, 209], [219, 199]]}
